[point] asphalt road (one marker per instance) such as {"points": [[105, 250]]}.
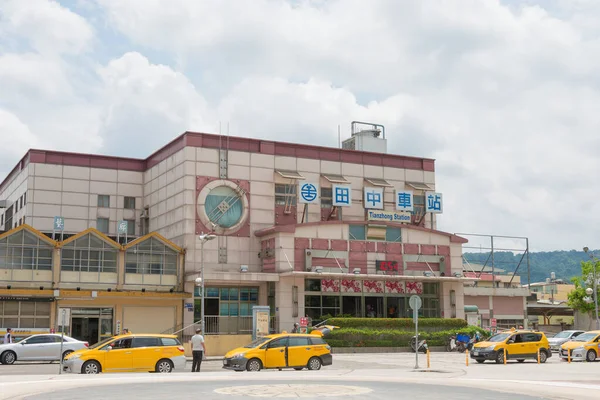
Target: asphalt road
{"points": [[243, 389]]}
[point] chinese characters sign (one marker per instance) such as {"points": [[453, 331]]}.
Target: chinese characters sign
{"points": [[373, 198], [404, 200], [341, 195], [122, 227], [434, 203], [385, 266], [308, 193], [59, 224]]}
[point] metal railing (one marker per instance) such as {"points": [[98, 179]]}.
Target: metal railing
{"points": [[220, 325]]}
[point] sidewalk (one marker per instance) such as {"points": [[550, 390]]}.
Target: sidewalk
{"points": [[208, 358]]}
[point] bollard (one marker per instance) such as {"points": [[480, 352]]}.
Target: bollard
{"points": [[569, 356], [428, 360], [467, 357], [504, 355], [539, 356]]}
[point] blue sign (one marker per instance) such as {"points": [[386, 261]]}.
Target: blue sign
{"points": [[341, 195], [59, 224], [434, 202], [309, 192], [404, 200], [373, 198]]}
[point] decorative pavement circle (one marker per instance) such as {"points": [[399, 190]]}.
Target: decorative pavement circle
{"points": [[294, 390]]}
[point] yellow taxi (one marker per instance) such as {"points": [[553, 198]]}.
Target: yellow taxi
{"points": [[283, 350], [515, 344], [129, 353], [584, 347]]}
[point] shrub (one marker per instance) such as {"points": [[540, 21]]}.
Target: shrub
{"points": [[404, 324]]}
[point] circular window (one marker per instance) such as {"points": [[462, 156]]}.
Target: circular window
{"points": [[224, 207]]}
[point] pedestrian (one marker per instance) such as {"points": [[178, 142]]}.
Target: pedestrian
{"points": [[8, 337], [198, 350], [126, 331], [296, 328]]}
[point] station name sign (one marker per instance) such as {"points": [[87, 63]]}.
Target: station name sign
{"points": [[26, 298], [389, 216]]}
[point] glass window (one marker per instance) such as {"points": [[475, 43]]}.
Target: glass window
{"points": [[312, 285], [317, 340], [298, 341], [233, 294], [103, 201], [254, 294], [244, 294], [130, 227], [89, 253], [40, 339], [285, 195], [122, 344], [224, 294], [151, 256], [146, 342], [312, 301], [129, 203], [170, 342], [393, 234], [233, 309], [212, 292], [102, 225], [224, 206], [326, 197], [277, 343], [224, 309], [26, 251], [357, 232]]}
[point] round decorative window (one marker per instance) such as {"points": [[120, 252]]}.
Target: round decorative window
{"points": [[224, 207]]}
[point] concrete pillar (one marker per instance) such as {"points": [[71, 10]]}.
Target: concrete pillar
{"points": [[284, 302]]}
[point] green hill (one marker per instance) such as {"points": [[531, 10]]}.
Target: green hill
{"points": [[565, 264]]}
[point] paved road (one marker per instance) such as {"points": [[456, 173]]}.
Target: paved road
{"points": [[248, 388]]}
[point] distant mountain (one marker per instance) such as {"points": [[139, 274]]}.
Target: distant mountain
{"points": [[565, 264]]}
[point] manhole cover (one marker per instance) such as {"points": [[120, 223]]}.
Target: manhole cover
{"points": [[291, 390]]}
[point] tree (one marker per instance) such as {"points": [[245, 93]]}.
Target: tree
{"points": [[578, 299]]}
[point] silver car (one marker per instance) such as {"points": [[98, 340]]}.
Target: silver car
{"points": [[561, 338], [44, 347]]}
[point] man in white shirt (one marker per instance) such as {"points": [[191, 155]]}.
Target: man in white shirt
{"points": [[8, 337], [198, 349]]}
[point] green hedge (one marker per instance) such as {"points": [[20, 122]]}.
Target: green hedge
{"points": [[366, 337], [403, 324]]}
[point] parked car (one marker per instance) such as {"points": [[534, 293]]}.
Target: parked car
{"points": [[44, 347], [514, 345], [279, 351], [561, 338], [582, 348], [129, 353]]}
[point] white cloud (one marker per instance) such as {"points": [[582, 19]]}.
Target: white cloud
{"points": [[503, 96]]}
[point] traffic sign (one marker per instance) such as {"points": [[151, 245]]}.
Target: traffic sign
{"points": [[493, 322], [303, 321], [415, 302]]}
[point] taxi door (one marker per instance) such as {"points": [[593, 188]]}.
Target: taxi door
{"points": [[300, 350], [146, 353], [276, 353], [516, 346], [532, 343], [119, 357]]}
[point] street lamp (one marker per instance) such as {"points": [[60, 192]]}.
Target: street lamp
{"points": [[200, 281], [589, 291]]}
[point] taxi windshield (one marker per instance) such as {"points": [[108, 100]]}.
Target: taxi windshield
{"points": [[256, 343], [100, 344], [501, 337], [585, 337]]}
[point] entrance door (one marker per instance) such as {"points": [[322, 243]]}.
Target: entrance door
{"points": [[86, 329], [352, 305], [374, 307]]}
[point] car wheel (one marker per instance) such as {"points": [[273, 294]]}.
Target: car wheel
{"points": [[91, 367], [314, 364], [254, 365], [298, 368], [543, 356], [521, 360], [9, 357], [590, 356], [164, 366], [480, 361], [500, 357], [66, 353]]}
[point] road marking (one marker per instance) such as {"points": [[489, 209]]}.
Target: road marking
{"points": [[294, 390], [574, 385]]}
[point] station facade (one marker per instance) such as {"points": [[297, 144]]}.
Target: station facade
{"points": [[309, 231]]}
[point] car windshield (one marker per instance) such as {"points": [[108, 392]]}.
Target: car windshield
{"points": [[585, 337], [501, 337], [563, 335], [100, 344], [256, 343]]}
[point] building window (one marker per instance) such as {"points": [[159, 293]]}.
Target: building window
{"points": [[24, 250], [285, 195], [24, 315], [102, 225], [25, 198], [317, 306], [419, 204], [151, 257], [224, 207], [326, 197], [2, 219], [393, 234], [89, 254], [129, 203], [21, 204], [357, 232], [103, 201], [130, 227], [227, 301]]}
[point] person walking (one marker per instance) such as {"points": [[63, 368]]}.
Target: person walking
{"points": [[296, 328], [198, 350], [8, 337]]}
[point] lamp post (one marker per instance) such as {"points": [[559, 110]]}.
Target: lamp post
{"points": [[594, 291], [200, 281]]}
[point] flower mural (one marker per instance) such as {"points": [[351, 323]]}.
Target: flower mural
{"points": [[330, 285], [394, 287], [373, 286], [351, 286], [414, 287]]}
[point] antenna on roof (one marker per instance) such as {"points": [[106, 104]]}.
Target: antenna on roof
{"points": [[339, 137]]}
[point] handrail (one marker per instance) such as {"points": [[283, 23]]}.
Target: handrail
{"points": [[320, 323], [185, 327]]}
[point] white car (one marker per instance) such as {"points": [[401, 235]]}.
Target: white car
{"points": [[45, 347]]}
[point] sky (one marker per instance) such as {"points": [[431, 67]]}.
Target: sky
{"points": [[502, 94]]}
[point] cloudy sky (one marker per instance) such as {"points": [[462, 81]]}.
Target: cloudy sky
{"points": [[503, 94]]}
